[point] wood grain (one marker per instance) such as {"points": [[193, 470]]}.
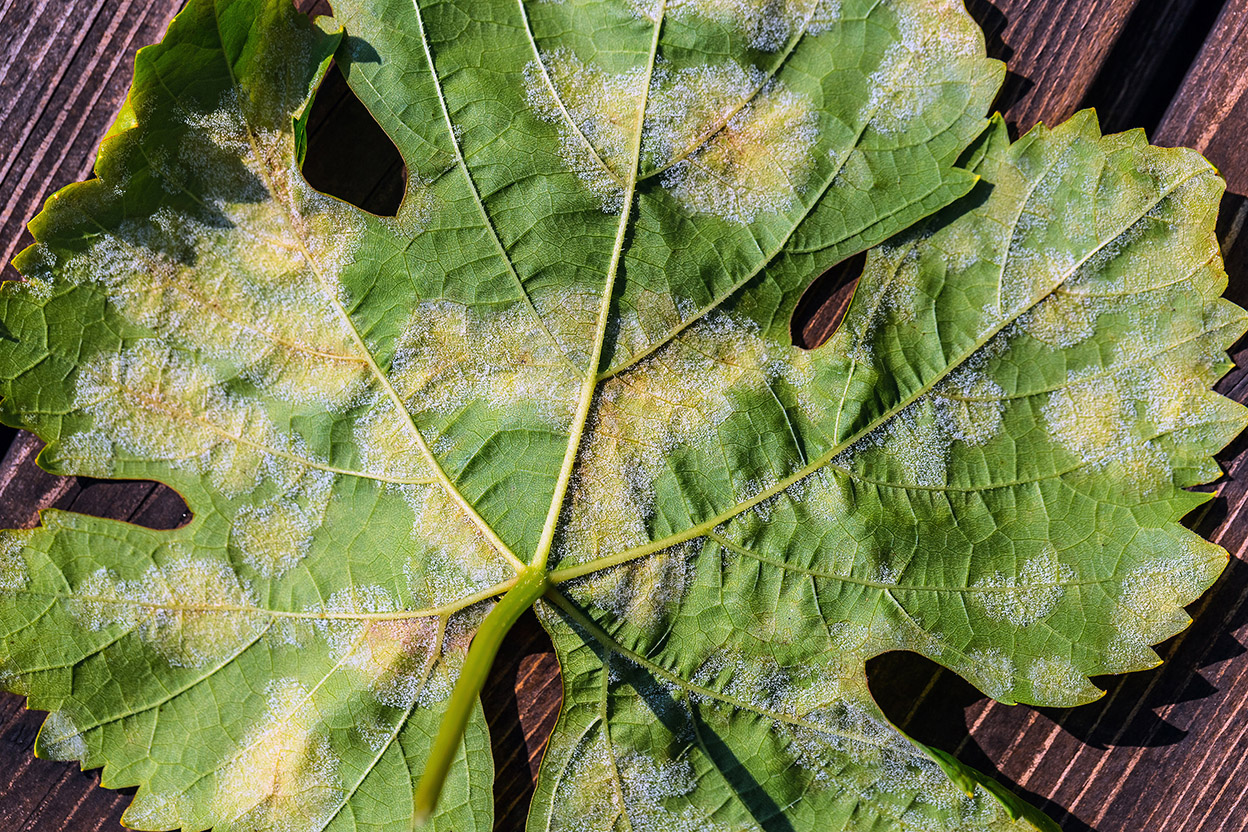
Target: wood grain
{"points": [[1054, 50], [1163, 751], [1210, 111], [65, 67]]}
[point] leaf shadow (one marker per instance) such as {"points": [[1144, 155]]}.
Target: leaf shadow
{"points": [[932, 703]]}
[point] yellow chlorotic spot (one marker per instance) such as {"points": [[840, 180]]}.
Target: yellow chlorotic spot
{"points": [[277, 534], [285, 776], [395, 657], [257, 285], [450, 356], [597, 117], [1095, 418], [1150, 606], [1057, 683], [768, 24], [724, 157], [991, 670], [191, 611], [1062, 320], [677, 397], [645, 592]]}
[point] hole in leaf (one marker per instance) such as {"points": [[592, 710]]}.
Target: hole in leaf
{"points": [[823, 304], [26, 489], [521, 703], [921, 698], [348, 154]]}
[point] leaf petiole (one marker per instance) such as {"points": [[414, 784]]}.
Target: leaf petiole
{"points": [[529, 586]]}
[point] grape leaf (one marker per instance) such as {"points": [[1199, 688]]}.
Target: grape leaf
{"points": [[563, 372]]}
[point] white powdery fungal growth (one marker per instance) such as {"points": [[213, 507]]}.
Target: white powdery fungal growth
{"points": [[769, 25], [1150, 605], [394, 657], [888, 287], [155, 402], [650, 789], [276, 534], [677, 397], [933, 47], [453, 559], [597, 115], [587, 795], [918, 446], [1057, 683], [732, 144], [645, 592], [450, 356], [284, 776], [1094, 416], [969, 406], [192, 611], [253, 282], [14, 573], [992, 671], [1064, 319], [1027, 597], [61, 739]]}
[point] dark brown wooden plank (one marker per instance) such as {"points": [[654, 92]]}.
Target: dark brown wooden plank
{"points": [[1054, 50], [1145, 68], [1210, 112], [65, 66]]}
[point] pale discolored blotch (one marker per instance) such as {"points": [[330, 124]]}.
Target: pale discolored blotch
{"points": [[991, 670], [450, 356], [284, 776], [192, 611], [452, 558], [731, 143], [250, 283], [1027, 597], [399, 657], [769, 25], [970, 406], [151, 401], [679, 396], [1057, 683], [1094, 416], [645, 592], [597, 115], [1064, 319], [1150, 607], [275, 535], [61, 739], [14, 571]]}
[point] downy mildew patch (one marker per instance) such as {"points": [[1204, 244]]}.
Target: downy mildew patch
{"points": [[677, 398], [596, 113], [1027, 597], [284, 776], [768, 25], [192, 611], [14, 573], [730, 142]]}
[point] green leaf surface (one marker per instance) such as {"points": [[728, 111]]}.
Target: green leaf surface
{"points": [[565, 366]]}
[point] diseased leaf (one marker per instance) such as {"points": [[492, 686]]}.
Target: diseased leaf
{"points": [[564, 369]]}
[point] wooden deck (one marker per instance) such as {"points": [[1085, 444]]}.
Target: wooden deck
{"points": [[1165, 750]]}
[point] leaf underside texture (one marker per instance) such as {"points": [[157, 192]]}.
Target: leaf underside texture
{"points": [[568, 355]]}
